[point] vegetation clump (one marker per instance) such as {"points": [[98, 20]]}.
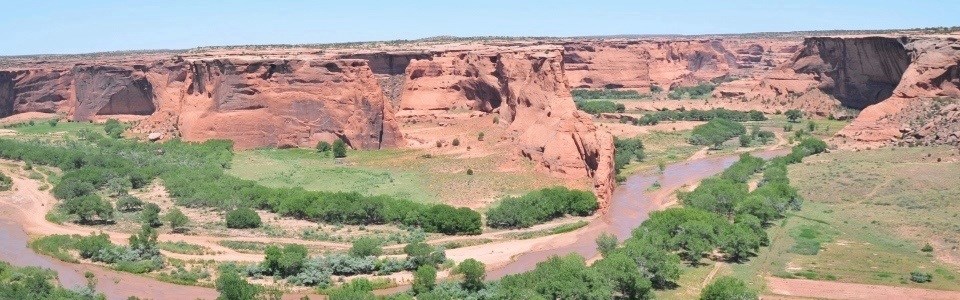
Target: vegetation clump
{"points": [[242, 218], [596, 107], [5, 182], [627, 150], [540, 206], [699, 91], [654, 118], [725, 288], [591, 94], [715, 132]]}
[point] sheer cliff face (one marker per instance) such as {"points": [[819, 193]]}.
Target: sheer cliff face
{"points": [[528, 88], [285, 103], [924, 106], [858, 71], [254, 103], [36, 90], [639, 64]]}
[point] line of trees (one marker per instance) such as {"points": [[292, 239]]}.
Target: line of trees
{"points": [[540, 206], [595, 107], [654, 118], [589, 94]]}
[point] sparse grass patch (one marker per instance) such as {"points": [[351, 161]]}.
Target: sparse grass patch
{"points": [[183, 248]]}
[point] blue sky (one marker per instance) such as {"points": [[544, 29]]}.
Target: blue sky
{"points": [[34, 27]]}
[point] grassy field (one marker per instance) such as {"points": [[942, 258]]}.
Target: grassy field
{"points": [[406, 173], [866, 217], [663, 146], [42, 127]]}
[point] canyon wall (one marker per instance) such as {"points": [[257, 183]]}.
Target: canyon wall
{"points": [[527, 88], [924, 108], [638, 64], [281, 103]]}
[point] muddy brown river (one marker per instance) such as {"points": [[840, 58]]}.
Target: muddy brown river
{"points": [[630, 206]]}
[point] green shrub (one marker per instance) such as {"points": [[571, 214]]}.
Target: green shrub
{"points": [[150, 215], [242, 218], [87, 206], [595, 107], [128, 203], [794, 114], [456, 142], [176, 219], [541, 206], [366, 246], [726, 288], [927, 248], [715, 132], [699, 91], [113, 128], [5, 182], [587, 94], [474, 272], [920, 277], [339, 149], [323, 146], [627, 150], [424, 279], [232, 287]]}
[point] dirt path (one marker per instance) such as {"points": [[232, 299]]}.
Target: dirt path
{"points": [[713, 273], [852, 291]]}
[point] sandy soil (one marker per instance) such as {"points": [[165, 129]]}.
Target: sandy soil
{"points": [[840, 290]]}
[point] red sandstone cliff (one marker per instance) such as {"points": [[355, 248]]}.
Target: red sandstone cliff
{"points": [[252, 102], [925, 105], [527, 87]]}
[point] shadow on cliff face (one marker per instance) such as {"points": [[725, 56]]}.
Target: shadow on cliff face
{"points": [[104, 90], [857, 71]]}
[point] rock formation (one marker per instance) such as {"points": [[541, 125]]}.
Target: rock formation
{"points": [[923, 107], [527, 87], [252, 102]]}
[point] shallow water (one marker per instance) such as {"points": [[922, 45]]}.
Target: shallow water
{"points": [[113, 284], [631, 205]]}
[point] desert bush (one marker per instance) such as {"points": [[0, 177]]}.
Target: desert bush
{"points": [[113, 128], [920, 277], [323, 146], [176, 219], [242, 218], [794, 115], [725, 288], [128, 203], [150, 215], [339, 149], [699, 91], [366, 246], [5, 182]]}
